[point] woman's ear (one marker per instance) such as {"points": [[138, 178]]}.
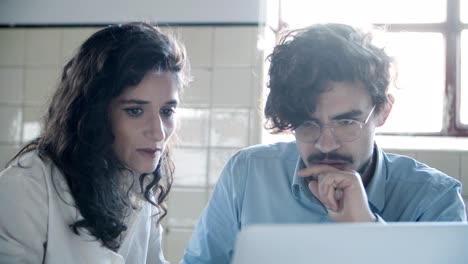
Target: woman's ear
{"points": [[385, 111]]}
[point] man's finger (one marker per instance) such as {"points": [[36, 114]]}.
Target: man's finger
{"points": [[316, 170]]}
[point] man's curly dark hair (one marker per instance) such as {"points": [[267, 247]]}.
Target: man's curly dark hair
{"points": [[306, 59]]}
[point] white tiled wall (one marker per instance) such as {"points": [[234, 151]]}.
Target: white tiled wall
{"points": [[12, 47], [219, 110], [218, 117]]}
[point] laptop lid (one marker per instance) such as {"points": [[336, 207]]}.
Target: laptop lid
{"points": [[363, 243]]}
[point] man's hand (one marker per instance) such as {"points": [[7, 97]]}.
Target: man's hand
{"points": [[341, 192]]}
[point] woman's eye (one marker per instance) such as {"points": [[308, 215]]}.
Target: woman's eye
{"points": [[168, 112], [134, 111]]}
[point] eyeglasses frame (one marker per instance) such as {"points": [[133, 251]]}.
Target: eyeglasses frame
{"points": [[321, 127]]}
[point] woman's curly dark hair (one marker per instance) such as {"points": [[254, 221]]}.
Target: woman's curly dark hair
{"points": [[306, 59], [77, 134]]}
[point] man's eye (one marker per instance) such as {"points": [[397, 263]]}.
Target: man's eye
{"points": [[168, 112], [134, 111], [310, 125], [346, 122]]}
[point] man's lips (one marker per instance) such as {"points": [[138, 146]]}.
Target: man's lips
{"points": [[339, 164], [329, 161]]}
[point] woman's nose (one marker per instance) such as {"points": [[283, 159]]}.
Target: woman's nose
{"points": [[156, 129]]}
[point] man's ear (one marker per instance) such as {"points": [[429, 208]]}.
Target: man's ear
{"points": [[385, 111]]}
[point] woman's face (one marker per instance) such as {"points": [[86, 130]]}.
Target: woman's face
{"points": [[143, 120]]}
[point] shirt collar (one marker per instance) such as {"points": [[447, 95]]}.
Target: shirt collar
{"points": [[376, 188], [299, 187]]}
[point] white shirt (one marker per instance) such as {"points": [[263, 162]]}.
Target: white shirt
{"points": [[36, 210]]}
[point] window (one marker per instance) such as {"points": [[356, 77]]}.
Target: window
{"points": [[429, 40], [464, 11], [464, 78]]}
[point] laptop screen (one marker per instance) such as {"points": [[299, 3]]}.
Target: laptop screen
{"points": [[363, 243]]}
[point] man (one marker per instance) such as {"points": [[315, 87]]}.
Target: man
{"points": [[329, 86]]}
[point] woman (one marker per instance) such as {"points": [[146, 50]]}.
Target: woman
{"points": [[91, 188]]}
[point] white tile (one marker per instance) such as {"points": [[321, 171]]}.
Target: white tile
{"points": [[259, 80], [411, 154], [43, 47], [235, 46], [193, 127], [232, 87], [11, 85], [257, 127], [40, 84], [218, 159], [199, 44], [464, 174], [176, 241], [10, 118], [190, 166], [72, 38], [7, 151], [185, 206], [199, 92], [32, 117], [229, 128], [12, 46], [447, 162]]}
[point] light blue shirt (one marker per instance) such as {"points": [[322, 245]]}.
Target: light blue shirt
{"points": [[260, 185]]}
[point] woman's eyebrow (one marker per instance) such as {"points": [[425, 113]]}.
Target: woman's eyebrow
{"points": [[133, 101], [172, 102]]}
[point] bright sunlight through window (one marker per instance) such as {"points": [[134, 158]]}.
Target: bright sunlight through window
{"points": [[300, 13], [464, 11], [464, 78]]}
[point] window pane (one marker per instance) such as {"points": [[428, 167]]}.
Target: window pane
{"points": [[464, 11], [464, 79], [300, 13], [419, 91]]}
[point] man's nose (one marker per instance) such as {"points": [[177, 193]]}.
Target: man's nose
{"points": [[327, 141]]}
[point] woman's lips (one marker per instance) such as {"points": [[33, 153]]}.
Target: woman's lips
{"points": [[148, 152]]}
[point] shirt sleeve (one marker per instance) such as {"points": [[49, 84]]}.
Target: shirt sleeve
{"points": [[23, 217], [448, 206], [215, 233]]}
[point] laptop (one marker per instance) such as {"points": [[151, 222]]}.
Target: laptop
{"points": [[363, 243]]}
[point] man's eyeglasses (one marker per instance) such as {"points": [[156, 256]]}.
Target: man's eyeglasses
{"points": [[345, 130]]}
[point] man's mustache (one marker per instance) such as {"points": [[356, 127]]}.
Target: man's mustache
{"points": [[332, 156]]}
